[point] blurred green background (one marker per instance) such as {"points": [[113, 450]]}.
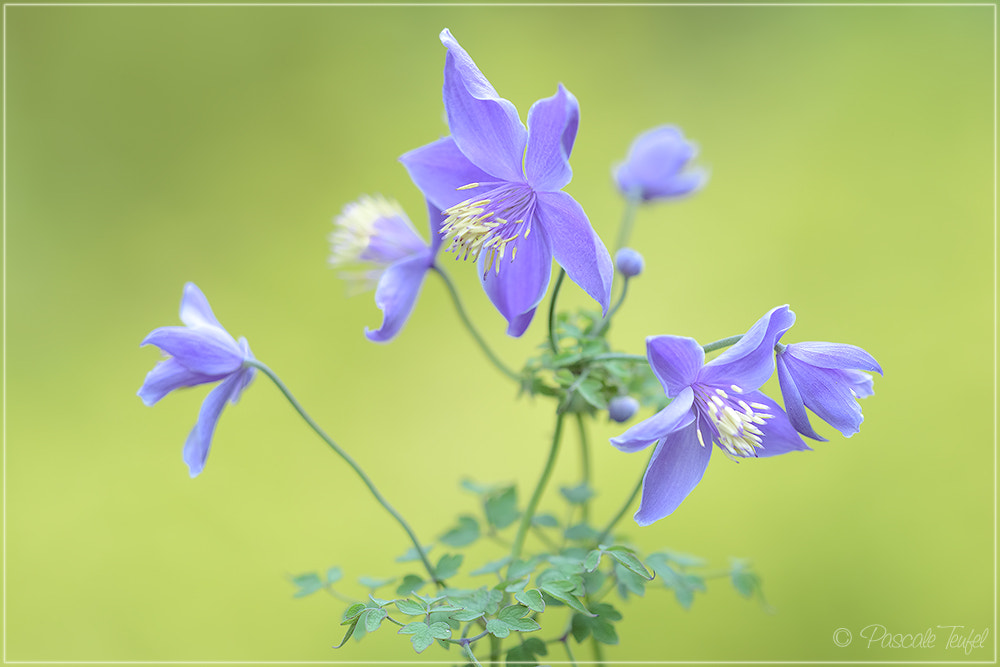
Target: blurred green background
{"points": [[851, 151]]}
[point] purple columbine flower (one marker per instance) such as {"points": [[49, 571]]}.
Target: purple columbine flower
{"points": [[714, 403], [377, 244], [201, 352], [500, 186], [658, 165], [827, 378]]}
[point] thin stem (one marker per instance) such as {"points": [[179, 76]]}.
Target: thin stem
{"points": [[584, 463], [628, 503], [598, 651], [496, 647], [632, 200], [351, 462], [610, 356], [614, 309], [540, 534], [472, 329], [569, 651], [472, 657], [721, 343], [529, 512], [552, 310]]}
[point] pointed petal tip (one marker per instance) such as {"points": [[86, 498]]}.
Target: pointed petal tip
{"points": [[641, 521]]}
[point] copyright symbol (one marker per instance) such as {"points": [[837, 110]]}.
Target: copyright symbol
{"points": [[842, 637]]}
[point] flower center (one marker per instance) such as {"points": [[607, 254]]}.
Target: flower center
{"points": [[489, 223], [733, 423]]}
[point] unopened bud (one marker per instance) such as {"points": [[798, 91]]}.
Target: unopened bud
{"points": [[629, 262], [622, 408]]}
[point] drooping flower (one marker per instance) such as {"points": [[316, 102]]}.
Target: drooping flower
{"points": [[658, 165], [201, 352], [377, 243], [827, 378], [714, 403], [500, 186]]}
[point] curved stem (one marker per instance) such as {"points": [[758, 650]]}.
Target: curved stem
{"points": [[552, 310], [529, 512], [721, 343], [632, 201], [569, 651], [472, 330], [351, 462], [628, 503], [584, 463]]}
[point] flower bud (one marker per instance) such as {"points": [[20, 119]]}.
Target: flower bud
{"points": [[629, 262], [658, 166], [622, 408]]}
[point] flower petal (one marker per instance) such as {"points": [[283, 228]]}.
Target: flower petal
{"points": [[794, 406], [677, 415], [195, 310], [675, 469], [655, 162], [834, 355], [396, 295], [167, 376], [203, 349], [200, 439], [516, 285], [675, 361], [750, 362], [485, 126], [434, 220], [830, 393], [517, 326], [439, 169], [552, 125], [576, 245], [779, 436]]}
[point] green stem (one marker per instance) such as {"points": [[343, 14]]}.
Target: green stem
{"points": [[552, 311], [598, 651], [496, 647], [632, 201], [569, 651], [472, 330], [472, 657], [584, 463], [529, 512], [351, 462], [721, 343], [628, 503]]}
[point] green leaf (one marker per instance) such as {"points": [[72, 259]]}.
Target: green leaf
{"points": [[627, 558], [582, 533], [416, 627], [684, 560], [590, 390], [745, 583], [629, 581], [501, 508], [411, 608], [475, 487], [440, 630], [545, 521], [497, 628], [333, 575], [307, 584], [448, 566], [521, 568], [512, 612], [412, 554], [411, 583], [481, 600], [524, 625], [592, 561], [347, 635], [599, 626], [464, 534], [352, 612], [562, 593], [374, 618], [374, 583], [466, 615], [577, 495], [424, 635], [531, 599], [492, 566]]}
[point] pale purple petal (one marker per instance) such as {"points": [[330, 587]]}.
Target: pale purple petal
{"points": [[750, 362], [834, 355], [675, 469], [516, 285], [392, 239], [677, 415], [675, 361], [396, 295], [439, 169], [167, 376], [780, 437], [794, 406], [247, 374], [195, 310], [485, 126], [828, 393], [435, 218], [200, 439], [204, 349], [518, 325], [861, 383], [655, 165], [576, 245], [552, 124]]}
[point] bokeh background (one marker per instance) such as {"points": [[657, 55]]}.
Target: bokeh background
{"points": [[851, 151]]}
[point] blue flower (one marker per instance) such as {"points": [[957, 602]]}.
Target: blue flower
{"points": [[201, 352], [827, 378], [377, 243], [657, 166], [714, 403], [500, 186]]}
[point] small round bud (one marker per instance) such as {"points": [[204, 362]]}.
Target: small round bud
{"points": [[622, 408], [629, 262]]}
